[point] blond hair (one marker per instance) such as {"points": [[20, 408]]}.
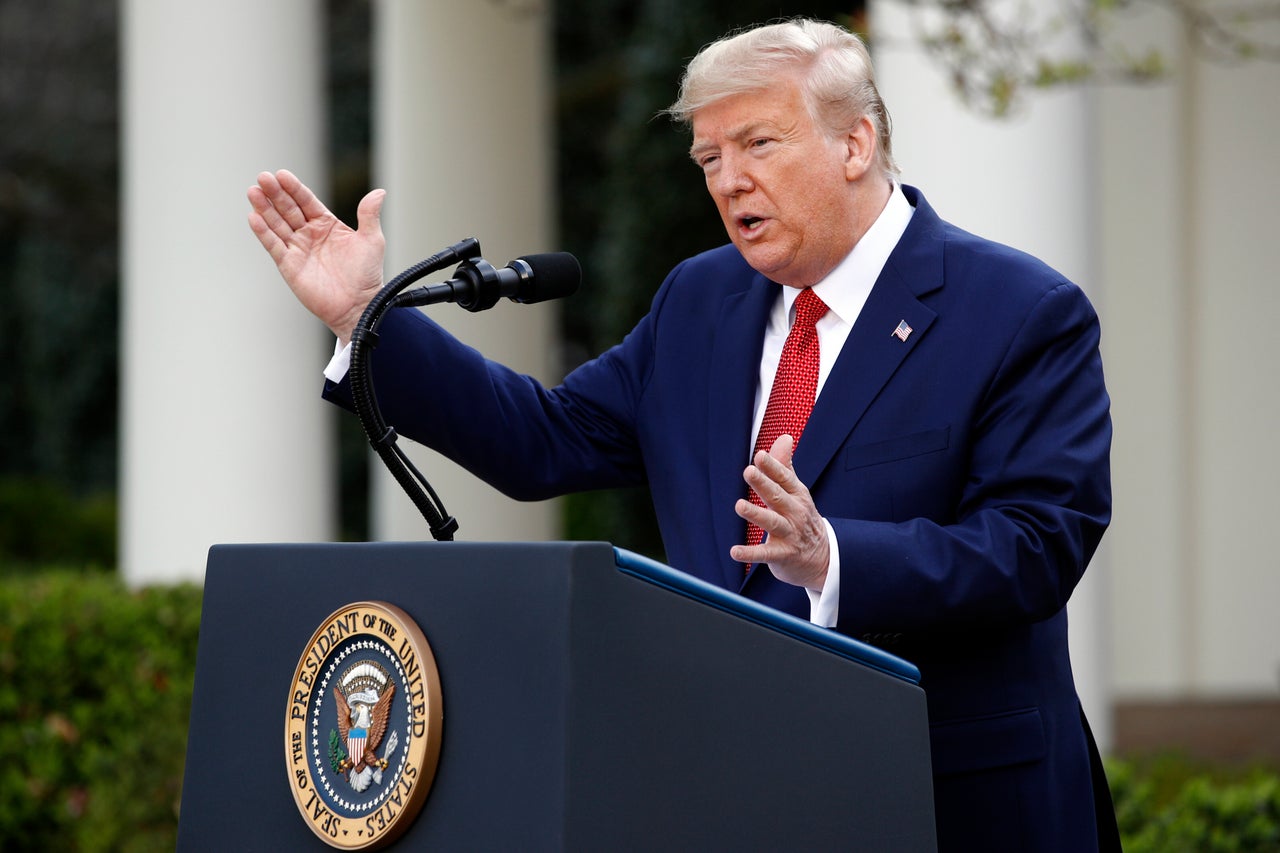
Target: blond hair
{"points": [[835, 71]]}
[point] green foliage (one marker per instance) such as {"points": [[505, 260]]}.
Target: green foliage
{"points": [[337, 755], [993, 59], [1172, 805], [41, 523], [95, 692], [59, 257]]}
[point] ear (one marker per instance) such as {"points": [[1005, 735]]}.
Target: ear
{"points": [[860, 149]]}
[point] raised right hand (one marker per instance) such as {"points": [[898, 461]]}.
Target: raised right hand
{"points": [[333, 270]]}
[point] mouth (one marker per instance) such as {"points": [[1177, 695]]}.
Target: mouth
{"points": [[750, 224]]}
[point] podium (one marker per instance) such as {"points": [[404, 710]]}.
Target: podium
{"points": [[592, 700]]}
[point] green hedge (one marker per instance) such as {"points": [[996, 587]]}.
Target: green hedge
{"points": [[82, 532], [95, 691], [1174, 805]]}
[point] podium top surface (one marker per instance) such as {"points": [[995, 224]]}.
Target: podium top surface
{"points": [[677, 581]]}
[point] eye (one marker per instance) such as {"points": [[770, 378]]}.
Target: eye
{"points": [[759, 142], [707, 161]]}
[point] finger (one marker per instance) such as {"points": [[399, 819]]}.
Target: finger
{"points": [[771, 492], [269, 218], [750, 554], [766, 552], [276, 206], [777, 545], [770, 467], [369, 213], [773, 481], [761, 517], [744, 553], [778, 472], [783, 449], [292, 199], [268, 238], [305, 203], [267, 225], [780, 528]]}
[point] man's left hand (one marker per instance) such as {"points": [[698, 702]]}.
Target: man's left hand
{"points": [[796, 548]]}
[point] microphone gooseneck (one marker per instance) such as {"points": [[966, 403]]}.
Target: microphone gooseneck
{"points": [[380, 435], [477, 285]]}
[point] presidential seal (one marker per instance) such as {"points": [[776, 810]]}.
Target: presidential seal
{"points": [[363, 726]]}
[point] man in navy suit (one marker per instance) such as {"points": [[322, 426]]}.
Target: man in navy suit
{"points": [[951, 482]]}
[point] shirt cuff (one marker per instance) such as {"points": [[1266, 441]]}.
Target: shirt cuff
{"points": [[824, 606], [339, 364]]}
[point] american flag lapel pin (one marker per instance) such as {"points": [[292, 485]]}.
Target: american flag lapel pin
{"points": [[902, 332]]}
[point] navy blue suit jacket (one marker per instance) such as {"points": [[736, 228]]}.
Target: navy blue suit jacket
{"points": [[964, 470]]}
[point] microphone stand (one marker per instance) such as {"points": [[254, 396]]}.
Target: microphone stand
{"points": [[382, 437]]}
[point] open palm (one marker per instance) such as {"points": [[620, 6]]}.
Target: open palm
{"points": [[333, 270]]}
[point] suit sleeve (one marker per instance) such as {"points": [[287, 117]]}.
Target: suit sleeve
{"points": [[528, 441], [1033, 504]]}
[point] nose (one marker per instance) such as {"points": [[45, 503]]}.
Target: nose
{"points": [[731, 177]]}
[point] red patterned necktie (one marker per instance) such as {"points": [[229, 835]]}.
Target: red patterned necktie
{"points": [[795, 386]]}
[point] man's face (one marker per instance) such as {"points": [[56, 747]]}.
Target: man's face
{"points": [[782, 186]]}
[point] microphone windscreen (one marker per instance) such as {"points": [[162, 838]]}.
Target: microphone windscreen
{"points": [[554, 274]]}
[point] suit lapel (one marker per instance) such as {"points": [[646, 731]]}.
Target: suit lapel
{"points": [[870, 356], [735, 360], [872, 352]]}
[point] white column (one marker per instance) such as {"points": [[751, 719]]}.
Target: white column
{"points": [[225, 438], [462, 145], [1234, 306], [1148, 171], [1189, 180], [1026, 181]]}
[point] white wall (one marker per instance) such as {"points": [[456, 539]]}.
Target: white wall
{"points": [[1189, 186], [1237, 306]]}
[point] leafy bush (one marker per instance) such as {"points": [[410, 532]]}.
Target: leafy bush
{"points": [[1172, 805], [95, 692], [42, 523]]}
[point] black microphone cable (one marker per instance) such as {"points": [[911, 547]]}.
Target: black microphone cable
{"points": [[380, 435]]}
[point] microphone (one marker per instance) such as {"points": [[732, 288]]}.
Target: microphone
{"points": [[477, 284]]}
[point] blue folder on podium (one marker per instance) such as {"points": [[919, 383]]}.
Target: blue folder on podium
{"points": [[592, 700]]}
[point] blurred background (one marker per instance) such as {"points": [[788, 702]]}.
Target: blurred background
{"points": [[162, 386]]}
